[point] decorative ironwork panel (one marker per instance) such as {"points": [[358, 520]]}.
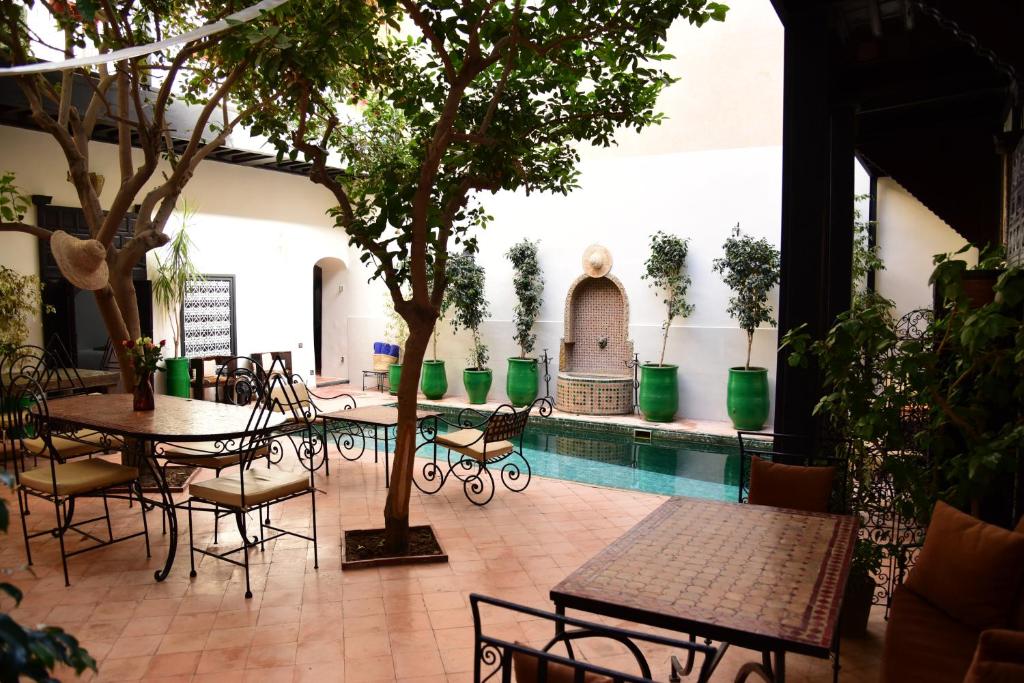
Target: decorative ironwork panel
{"points": [[1015, 210], [208, 317]]}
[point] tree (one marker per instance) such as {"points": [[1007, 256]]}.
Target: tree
{"points": [[528, 283], [750, 268], [487, 95], [134, 96], [469, 302], [664, 269]]}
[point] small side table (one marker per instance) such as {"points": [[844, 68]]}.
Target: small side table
{"points": [[380, 378], [380, 418]]}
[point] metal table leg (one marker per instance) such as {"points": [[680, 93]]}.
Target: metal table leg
{"points": [[170, 512]]}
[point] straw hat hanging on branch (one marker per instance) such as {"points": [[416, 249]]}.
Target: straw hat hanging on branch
{"points": [[82, 262]]}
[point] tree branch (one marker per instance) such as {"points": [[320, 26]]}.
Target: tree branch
{"points": [[41, 233], [435, 41]]}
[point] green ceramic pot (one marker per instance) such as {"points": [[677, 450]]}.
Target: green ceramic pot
{"points": [[178, 379], [394, 377], [477, 383], [659, 392], [433, 380], [521, 382], [747, 399]]}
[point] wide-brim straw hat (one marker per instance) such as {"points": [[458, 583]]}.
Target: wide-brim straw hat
{"points": [[597, 261], [82, 262]]}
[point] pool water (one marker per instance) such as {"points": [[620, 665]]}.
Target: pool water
{"points": [[619, 461]]}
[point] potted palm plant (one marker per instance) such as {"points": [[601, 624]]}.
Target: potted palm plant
{"points": [[659, 383], [173, 275], [750, 268], [469, 304], [528, 282]]}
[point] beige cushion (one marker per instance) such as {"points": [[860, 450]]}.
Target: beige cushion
{"points": [[261, 486], [286, 397], [78, 477], [194, 454], [470, 442], [87, 442]]}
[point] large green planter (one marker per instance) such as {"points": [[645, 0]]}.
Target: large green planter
{"points": [[394, 377], [659, 392], [178, 379], [747, 399], [433, 380], [477, 383], [521, 382]]}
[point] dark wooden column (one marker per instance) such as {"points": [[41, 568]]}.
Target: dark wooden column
{"points": [[817, 205]]}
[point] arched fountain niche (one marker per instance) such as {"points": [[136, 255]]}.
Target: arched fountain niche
{"points": [[593, 378]]}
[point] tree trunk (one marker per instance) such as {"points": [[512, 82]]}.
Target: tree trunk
{"points": [[750, 343], [396, 509], [113, 320], [664, 341]]}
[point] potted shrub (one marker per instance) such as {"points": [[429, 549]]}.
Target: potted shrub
{"points": [[528, 282], [466, 288], [173, 275], [860, 588], [396, 332], [750, 268], [433, 376], [20, 299], [659, 383]]}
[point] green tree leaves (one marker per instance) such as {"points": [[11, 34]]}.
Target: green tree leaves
{"points": [[528, 283], [468, 298], [664, 270]]}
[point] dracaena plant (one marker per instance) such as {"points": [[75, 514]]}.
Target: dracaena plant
{"points": [[528, 283], [750, 267], [174, 273], [665, 271], [466, 285]]}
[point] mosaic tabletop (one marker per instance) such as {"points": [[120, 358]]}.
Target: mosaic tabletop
{"points": [[748, 574]]}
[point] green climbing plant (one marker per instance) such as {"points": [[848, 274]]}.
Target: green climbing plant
{"points": [[665, 271]]}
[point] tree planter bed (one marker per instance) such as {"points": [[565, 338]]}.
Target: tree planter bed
{"points": [[365, 548]]}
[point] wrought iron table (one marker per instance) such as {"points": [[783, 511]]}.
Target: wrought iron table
{"points": [[175, 420], [380, 418], [756, 577], [380, 377]]}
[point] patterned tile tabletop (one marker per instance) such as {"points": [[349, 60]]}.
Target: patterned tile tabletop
{"points": [[768, 574]]}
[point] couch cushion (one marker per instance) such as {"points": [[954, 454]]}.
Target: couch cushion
{"points": [[78, 477], [971, 570], [527, 669], [790, 486], [470, 442], [261, 486], [195, 454], [923, 645], [999, 658]]}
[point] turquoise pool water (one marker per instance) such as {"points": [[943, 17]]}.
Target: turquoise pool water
{"points": [[616, 461]]}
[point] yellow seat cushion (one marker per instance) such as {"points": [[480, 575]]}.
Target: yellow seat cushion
{"points": [[261, 486], [293, 399], [78, 477], [86, 442], [195, 454], [470, 442]]}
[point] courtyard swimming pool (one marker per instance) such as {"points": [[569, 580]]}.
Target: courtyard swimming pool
{"points": [[620, 461]]}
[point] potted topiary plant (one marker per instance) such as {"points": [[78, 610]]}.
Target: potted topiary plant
{"points": [[659, 383], [469, 303], [433, 376], [173, 276], [750, 268], [528, 282], [396, 332]]}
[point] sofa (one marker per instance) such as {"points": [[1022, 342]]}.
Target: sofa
{"points": [[959, 617]]}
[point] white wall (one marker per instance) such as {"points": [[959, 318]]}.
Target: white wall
{"points": [[334, 316], [908, 236]]}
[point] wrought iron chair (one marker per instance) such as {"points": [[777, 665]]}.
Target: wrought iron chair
{"points": [[495, 658], [293, 397], [62, 481], [479, 441], [251, 490]]}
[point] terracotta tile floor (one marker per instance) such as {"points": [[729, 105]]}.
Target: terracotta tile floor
{"points": [[403, 623]]}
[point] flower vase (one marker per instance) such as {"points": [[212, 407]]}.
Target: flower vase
{"points": [[142, 398]]}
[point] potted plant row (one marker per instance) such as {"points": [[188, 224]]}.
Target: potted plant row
{"points": [[528, 283]]}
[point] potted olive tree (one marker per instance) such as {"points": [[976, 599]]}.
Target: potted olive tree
{"points": [[433, 376], [659, 383], [173, 275], [469, 304], [396, 332], [750, 268], [528, 282]]}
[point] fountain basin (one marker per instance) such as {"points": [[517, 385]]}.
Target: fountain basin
{"points": [[594, 393]]}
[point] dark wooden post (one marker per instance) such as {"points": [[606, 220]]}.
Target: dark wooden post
{"points": [[817, 205]]}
